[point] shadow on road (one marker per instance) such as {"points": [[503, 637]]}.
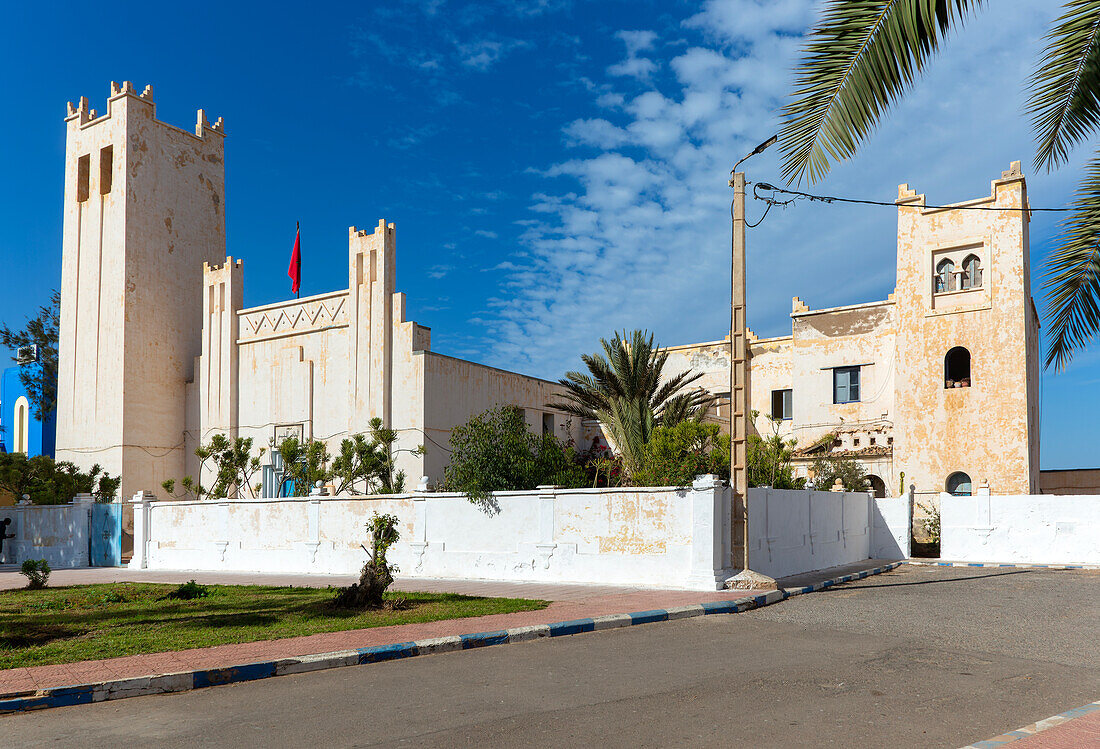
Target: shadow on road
{"points": [[838, 588]]}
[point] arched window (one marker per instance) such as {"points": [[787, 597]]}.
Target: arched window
{"points": [[956, 368], [972, 273], [22, 424], [958, 484], [878, 486], [945, 276]]}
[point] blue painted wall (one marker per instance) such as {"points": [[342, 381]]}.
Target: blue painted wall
{"points": [[42, 435]]}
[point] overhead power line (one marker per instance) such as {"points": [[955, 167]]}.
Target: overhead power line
{"points": [[797, 195]]}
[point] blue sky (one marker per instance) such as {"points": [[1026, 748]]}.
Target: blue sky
{"points": [[556, 169]]}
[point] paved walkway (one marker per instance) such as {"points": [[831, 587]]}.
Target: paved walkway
{"points": [[567, 602]]}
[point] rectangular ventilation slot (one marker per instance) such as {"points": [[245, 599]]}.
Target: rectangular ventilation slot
{"points": [[83, 173], [106, 157]]}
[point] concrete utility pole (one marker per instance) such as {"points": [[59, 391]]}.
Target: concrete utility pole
{"points": [[739, 392], [739, 379]]}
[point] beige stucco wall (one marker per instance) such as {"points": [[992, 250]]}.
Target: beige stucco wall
{"points": [[455, 390], [1077, 481], [988, 430]]}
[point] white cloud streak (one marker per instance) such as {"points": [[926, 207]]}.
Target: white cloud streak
{"points": [[634, 230]]}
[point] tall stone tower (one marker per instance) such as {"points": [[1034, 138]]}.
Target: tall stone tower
{"points": [[144, 209], [967, 353]]}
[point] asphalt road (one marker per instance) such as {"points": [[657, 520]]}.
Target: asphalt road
{"points": [[919, 657]]}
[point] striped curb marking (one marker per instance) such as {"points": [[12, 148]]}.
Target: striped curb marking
{"points": [[1034, 728], [1015, 566], [82, 694]]}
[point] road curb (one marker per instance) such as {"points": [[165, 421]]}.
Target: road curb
{"points": [[1021, 566], [82, 694], [1034, 728]]}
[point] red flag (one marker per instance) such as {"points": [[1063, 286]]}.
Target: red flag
{"points": [[295, 270]]}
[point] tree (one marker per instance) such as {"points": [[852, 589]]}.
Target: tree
{"points": [[41, 331], [623, 390], [305, 462], [677, 454], [233, 464], [828, 469], [769, 459], [53, 483], [864, 54], [495, 451], [370, 463], [377, 573]]}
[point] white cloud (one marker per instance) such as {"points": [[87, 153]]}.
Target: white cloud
{"points": [[634, 66], [482, 54], [486, 233], [637, 234]]}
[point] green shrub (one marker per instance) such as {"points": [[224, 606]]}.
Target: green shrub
{"points": [[495, 451], [189, 591], [37, 572], [377, 573], [675, 455]]}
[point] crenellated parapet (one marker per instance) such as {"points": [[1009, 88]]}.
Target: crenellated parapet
{"points": [[80, 114]]}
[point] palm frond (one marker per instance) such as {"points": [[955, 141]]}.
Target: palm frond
{"points": [[859, 58], [1066, 83], [1073, 275]]}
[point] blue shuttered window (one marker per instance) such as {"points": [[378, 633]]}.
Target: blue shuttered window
{"points": [[845, 384]]}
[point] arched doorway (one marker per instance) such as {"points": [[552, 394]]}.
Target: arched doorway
{"points": [[878, 486]]}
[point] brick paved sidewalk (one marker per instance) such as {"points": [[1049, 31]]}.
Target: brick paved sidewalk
{"points": [[568, 602], [1083, 731]]}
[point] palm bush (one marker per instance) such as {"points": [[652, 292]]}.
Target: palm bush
{"points": [[625, 391], [864, 54]]}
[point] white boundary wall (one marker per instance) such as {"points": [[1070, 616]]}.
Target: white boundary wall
{"points": [[56, 533], [1039, 529], [667, 537], [795, 531], [663, 537]]}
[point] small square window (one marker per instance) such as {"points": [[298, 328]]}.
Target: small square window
{"points": [[782, 404], [548, 423], [872, 440], [846, 385], [855, 442]]}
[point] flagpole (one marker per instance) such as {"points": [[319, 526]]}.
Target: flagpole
{"points": [[297, 238]]}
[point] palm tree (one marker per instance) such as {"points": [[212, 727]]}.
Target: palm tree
{"points": [[864, 54], [624, 391]]}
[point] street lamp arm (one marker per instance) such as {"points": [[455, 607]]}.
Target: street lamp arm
{"points": [[759, 149]]}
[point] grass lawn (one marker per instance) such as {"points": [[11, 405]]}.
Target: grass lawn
{"points": [[66, 624]]}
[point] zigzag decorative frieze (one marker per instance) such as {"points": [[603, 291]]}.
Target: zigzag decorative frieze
{"points": [[296, 317]]}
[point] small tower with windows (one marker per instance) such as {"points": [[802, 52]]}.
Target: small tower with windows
{"points": [[967, 358]]}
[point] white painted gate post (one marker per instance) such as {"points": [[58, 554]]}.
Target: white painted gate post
{"points": [[709, 552], [142, 504]]}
